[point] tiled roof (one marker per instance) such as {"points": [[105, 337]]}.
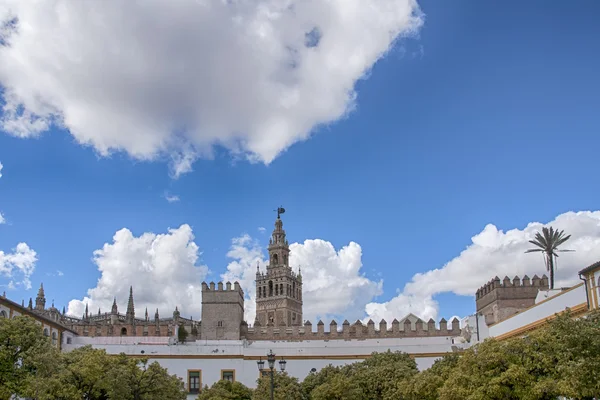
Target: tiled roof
{"points": [[590, 268]]}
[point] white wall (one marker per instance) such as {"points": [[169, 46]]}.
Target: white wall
{"points": [[540, 311], [214, 355]]}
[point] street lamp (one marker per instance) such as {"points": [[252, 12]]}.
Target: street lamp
{"points": [[271, 364]]}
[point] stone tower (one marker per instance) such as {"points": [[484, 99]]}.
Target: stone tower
{"points": [[222, 311], [279, 290], [499, 299]]}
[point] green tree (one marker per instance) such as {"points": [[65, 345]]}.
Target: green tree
{"points": [[426, 384], [315, 379], [338, 387], [573, 347], [135, 379], [379, 375], [286, 388], [24, 351], [182, 333], [547, 243], [226, 390]]}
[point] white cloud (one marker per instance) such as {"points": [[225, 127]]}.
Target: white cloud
{"points": [[163, 269], [1, 166], [59, 272], [180, 77], [494, 252], [333, 281], [2, 219], [20, 263], [171, 198], [262, 229]]}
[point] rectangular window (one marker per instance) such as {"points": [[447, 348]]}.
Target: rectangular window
{"points": [[263, 373], [228, 375], [194, 381], [220, 324]]}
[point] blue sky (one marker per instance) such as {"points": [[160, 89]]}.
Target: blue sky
{"points": [[489, 115]]}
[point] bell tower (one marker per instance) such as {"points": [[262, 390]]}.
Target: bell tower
{"points": [[279, 290]]}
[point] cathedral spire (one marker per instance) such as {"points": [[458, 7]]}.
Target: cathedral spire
{"points": [[30, 306], [114, 306], [40, 300], [146, 314], [86, 311], [130, 309]]}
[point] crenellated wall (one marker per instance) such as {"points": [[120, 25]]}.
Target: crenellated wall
{"points": [[499, 299], [358, 330]]}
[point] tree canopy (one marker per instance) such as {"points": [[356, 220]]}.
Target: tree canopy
{"points": [[31, 367]]}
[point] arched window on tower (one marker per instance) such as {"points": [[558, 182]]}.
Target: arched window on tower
{"points": [[281, 289], [294, 289], [270, 288], [275, 259], [285, 259], [276, 290]]}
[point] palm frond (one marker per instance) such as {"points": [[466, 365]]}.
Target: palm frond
{"points": [[534, 250]]}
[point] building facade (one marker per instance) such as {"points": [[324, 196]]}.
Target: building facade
{"points": [[224, 346]]}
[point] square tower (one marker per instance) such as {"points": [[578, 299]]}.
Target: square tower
{"points": [[279, 290], [222, 311]]}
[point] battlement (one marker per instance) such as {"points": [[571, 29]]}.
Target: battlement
{"points": [[496, 283], [219, 287], [498, 299], [408, 328]]}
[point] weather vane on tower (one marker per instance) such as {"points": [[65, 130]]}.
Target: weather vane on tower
{"points": [[280, 210]]}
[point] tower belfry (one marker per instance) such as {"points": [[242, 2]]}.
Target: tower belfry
{"points": [[279, 290]]}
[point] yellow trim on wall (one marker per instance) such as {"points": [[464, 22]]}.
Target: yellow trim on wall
{"points": [[199, 380], [228, 370], [292, 357], [575, 311], [594, 286]]}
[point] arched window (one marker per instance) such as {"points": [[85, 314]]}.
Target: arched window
{"points": [[46, 332], [123, 331], [276, 290], [275, 259], [2, 314], [284, 259], [54, 338], [270, 288], [294, 289], [281, 289]]}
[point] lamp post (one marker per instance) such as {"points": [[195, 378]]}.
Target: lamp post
{"points": [[271, 364]]}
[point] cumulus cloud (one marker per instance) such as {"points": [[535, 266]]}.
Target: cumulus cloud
{"points": [[18, 265], [163, 269], [494, 252], [2, 219], [172, 79], [334, 284]]}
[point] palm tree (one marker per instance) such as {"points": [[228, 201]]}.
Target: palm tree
{"points": [[547, 243]]}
